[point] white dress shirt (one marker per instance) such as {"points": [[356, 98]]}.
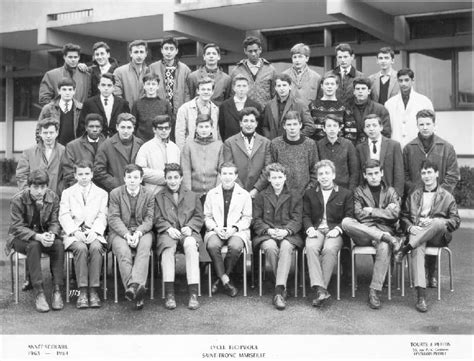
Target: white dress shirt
{"points": [[108, 107]]}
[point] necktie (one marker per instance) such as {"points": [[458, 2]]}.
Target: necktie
{"points": [[105, 101], [374, 148], [66, 107]]}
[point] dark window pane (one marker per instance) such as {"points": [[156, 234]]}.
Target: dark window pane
{"points": [[2, 99], [465, 85], [25, 103], [285, 41], [344, 35], [433, 76]]}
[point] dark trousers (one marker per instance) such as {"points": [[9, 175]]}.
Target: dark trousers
{"points": [[33, 250], [234, 249]]}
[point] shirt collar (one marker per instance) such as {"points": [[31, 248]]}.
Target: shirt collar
{"points": [[90, 140], [133, 194], [258, 65], [62, 104]]}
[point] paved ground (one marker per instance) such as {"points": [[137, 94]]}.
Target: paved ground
{"points": [[253, 314]]}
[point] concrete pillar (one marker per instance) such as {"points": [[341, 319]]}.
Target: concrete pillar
{"points": [[327, 44], [9, 113]]}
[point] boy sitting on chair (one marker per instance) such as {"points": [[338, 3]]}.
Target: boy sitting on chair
{"points": [[277, 212], [83, 217], [376, 212], [178, 220], [130, 218], [35, 230], [429, 216]]}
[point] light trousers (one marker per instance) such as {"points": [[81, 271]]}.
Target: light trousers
{"points": [[191, 255], [279, 259], [87, 262]]}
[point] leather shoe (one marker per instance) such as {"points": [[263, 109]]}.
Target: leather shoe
{"points": [[432, 282], [398, 258], [421, 305], [322, 296], [94, 300], [374, 300], [57, 300], [139, 305], [215, 286], [41, 303], [140, 293], [131, 292], [82, 300], [170, 302], [193, 303], [230, 289], [279, 302], [27, 285]]}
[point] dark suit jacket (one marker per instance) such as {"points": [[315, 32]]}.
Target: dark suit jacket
{"points": [[250, 167], [187, 213], [119, 212], [284, 212], [229, 119], [391, 162], [339, 205], [372, 107], [110, 161], [94, 105], [273, 125], [77, 150]]}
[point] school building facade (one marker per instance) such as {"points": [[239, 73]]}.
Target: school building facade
{"points": [[432, 38]]}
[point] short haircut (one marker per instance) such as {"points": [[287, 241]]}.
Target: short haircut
{"points": [[66, 82], [169, 40], [301, 48], [101, 44], [371, 163], [247, 111], [344, 47], [173, 167], [161, 119], [109, 76], [373, 116], [211, 45], [275, 167], [137, 43], [38, 177], [334, 118], [325, 163], [330, 76], [71, 47], [151, 76], [47, 122], [426, 113], [251, 40], [292, 114], [205, 80], [126, 117], [228, 165], [406, 71], [427, 164], [387, 50], [362, 81], [203, 118], [240, 77], [94, 117], [283, 77], [83, 164], [129, 168]]}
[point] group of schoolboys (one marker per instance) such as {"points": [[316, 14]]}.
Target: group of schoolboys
{"points": [[305, 162]]}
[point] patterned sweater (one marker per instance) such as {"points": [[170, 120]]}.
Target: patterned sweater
{"points": [[320, 108], [299, 158]]}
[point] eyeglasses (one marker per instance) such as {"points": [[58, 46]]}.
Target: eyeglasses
{"points": [[163, 127]]}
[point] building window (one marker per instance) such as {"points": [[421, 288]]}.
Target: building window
{"points": [[449, 25], [25, 103], [465, 91], [286, 40], [3, 95], [433, 76]]}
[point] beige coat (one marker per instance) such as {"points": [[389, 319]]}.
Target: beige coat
{"points": [[240, 213], [73, 212]]}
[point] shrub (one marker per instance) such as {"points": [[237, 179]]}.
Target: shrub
{"points": [[464, 191]]}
